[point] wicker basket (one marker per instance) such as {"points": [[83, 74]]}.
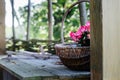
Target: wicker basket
{"points": [[75, 58], [72, 56]]}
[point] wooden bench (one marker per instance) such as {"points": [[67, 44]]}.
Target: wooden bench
{"points": [[27, 67]]}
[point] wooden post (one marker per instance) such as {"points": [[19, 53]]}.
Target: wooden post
{"points": [[96, 39], [2, 26], [105, 39]]}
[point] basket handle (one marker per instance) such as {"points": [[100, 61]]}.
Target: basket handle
{"points": [[65, 14]]}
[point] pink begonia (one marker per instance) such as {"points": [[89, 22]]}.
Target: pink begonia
{"points": [[82, 29], [72, 35], [78, 34], [88, 26]]}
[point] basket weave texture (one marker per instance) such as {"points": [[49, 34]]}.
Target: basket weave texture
{"points": [[75, 58]]}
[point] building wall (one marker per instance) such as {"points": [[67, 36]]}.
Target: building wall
{"points": [[2, 26], [111, 39]]}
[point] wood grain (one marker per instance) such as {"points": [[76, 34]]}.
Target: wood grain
{"points": [[105, 40], [96, 39], [111, 40], [29, 68], [2, 26]]}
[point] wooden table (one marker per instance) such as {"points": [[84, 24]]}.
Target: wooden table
{"points": [[27, 67]]}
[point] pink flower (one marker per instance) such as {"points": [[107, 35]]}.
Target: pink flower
{"points": [[76, 36], [72, 35], [88, 26], [82, 29], [78, 33]]}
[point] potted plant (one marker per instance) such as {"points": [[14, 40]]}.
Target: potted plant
{"points": [[76, 55]]}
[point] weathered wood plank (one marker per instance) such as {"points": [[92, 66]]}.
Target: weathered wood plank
{"points": [[2, 26], [22, 70], [96, 39], [7, 76], [30, 68], [58, 70], [105, 39]]}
